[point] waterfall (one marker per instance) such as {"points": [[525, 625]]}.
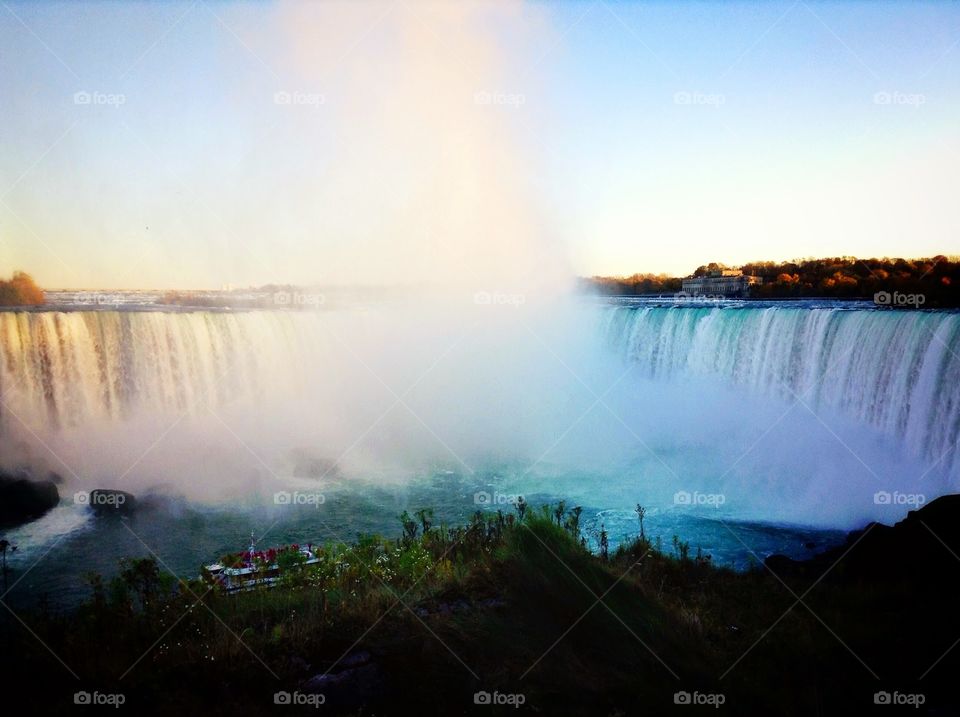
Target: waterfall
{"points": [[898, 371], [64, 368], [87, 385]]}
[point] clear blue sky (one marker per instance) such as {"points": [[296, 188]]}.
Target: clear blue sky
{"points": [[456, 140]]}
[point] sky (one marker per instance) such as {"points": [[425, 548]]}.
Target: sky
{"points": [[200, 144]]}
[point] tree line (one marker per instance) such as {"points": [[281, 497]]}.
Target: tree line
{"points": [[20, 290], [936, 278]]}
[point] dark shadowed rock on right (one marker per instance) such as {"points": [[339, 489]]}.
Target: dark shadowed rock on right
{"points": [[923, 547]]}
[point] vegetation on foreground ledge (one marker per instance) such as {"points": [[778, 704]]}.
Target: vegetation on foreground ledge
{"points": [[513, 612]]}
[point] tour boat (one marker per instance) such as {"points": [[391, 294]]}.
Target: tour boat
{"points": [[254, 569]]}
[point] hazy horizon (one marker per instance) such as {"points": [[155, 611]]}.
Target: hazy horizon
{"points": [[425, 284], [517, 144]]}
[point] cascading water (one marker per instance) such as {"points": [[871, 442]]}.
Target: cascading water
{"points": [[64, 368], [387, 408], [895, 370], [395, 389], [224, 404]]}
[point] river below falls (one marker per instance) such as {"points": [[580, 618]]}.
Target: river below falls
{"points": [[57, 552]]}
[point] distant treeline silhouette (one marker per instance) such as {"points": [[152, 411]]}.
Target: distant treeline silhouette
{"points": [[936, 278], [20, 290]]}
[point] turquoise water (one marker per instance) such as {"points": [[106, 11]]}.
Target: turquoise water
{"points": [[70, 542]]}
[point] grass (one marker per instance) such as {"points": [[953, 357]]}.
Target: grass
{"points": [[500, 604]]}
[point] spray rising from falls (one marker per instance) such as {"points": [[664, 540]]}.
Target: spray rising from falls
{"points": [[219, 400], [896, 371]]}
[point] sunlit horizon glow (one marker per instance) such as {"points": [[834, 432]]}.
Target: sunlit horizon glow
{"points": [[482, 144]]}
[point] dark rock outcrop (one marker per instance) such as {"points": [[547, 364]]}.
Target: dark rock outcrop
{"points": [[112, 502], [923, 547], [357, 681], [23, 500]]}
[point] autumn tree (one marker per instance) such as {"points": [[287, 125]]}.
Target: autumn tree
{"points": [[20, 290]]}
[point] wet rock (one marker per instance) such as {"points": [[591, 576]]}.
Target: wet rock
{"points": [[357, 681], [493, 602], [23, 500], [921, 548], [112, 502], [356, 659]]}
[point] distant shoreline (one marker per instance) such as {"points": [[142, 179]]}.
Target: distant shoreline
{"points": [[666, 300]]}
